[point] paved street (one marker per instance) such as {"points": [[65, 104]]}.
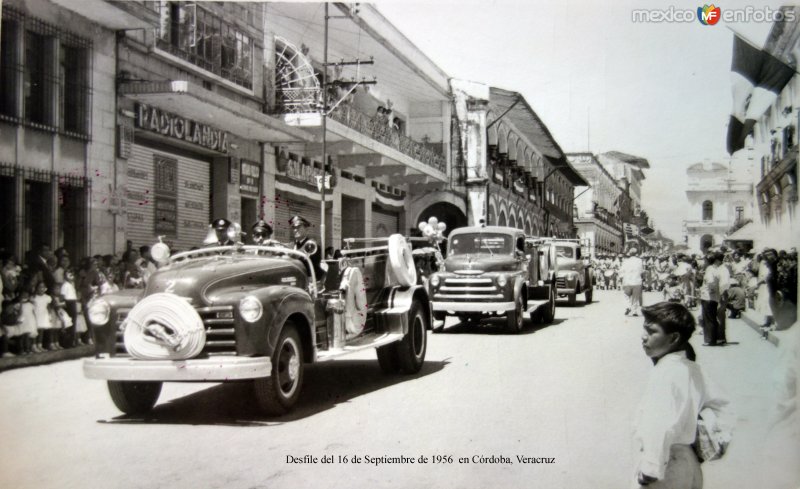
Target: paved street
{"points": [[565, 392]]}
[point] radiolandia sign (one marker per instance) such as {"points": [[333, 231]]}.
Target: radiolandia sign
{"points": [[175, 126]]}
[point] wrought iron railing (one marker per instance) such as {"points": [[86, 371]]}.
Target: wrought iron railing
{"points": [[380, 130]]}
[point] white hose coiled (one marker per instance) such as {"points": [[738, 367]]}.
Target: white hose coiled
{"points": [[164, 327]]}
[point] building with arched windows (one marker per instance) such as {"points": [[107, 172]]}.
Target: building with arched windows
{"points": [[720, 198]]}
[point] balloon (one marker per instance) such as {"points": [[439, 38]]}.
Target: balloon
{"points": [[433, 221], [422, 225], [442, 226]]}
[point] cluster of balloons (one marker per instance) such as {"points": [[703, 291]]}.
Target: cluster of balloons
{"points": [[433, 229]]}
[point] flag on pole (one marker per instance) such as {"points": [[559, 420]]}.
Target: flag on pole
{"points": [[757, 79], [745, 69]]}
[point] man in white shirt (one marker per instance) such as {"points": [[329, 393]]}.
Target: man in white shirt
{"points": [[631, 273], [724, 274], [709, 301]]}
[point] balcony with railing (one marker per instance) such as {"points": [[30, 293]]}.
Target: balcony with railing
{"points": [[380, 130]]}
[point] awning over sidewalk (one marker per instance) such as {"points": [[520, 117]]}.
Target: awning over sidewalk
{"points": [[197, 103]]}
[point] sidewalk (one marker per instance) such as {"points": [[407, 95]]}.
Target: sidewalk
{"points": [[755, 320], [7, 363]]}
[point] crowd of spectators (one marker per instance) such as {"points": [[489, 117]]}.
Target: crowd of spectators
{"points": [[44, 297], [723, 283]]}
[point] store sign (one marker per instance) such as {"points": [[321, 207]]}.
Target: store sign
{"points": [[250, 178], [296, 170], [156, 120]]}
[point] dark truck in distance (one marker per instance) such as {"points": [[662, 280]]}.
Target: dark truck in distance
{"points": [[575, 275], [258, 314], [495, 271]]}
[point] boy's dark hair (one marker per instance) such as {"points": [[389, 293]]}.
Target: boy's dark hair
{"points": [[673, 318]]}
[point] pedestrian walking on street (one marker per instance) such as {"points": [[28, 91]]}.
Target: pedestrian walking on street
{"points": [[631, 272], [677, 391], [709, 302]]}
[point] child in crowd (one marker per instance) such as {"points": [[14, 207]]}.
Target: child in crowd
{"points": [[736, 299], [70, 297], [28, 320], [15, 334], [673, 292], [44, 323]]}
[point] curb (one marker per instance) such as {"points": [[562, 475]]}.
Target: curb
{"points": [[749, 317], [44, 358]]}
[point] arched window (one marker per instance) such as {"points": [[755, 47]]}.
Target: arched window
{"points": [[708, 210]]}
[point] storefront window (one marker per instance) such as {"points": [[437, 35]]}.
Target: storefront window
{"points": [[205, 40]]}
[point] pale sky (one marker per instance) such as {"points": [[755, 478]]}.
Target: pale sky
{"points": [[598, 80]]}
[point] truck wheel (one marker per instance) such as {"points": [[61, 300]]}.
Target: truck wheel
{"points": [[514, 319], [387, 358], [277, 393], [571, 298], [548, 312], [588, 295], [411, 350], [134, 397]]}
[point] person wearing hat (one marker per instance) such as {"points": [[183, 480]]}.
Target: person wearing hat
{"points": [[737, 299], [220, 227], [302, 242], [631, 272], [262, 232]]}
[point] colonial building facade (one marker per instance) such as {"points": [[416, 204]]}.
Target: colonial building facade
{"points": [[720, 196], [515, 173], [596, 207]]}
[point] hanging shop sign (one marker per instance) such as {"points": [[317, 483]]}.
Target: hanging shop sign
{"points": [[162, 122], [166, 190], [249, 178]]}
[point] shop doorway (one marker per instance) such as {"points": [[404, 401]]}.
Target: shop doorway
{"points": [[446, 213], [249, 214], [353, 218]]}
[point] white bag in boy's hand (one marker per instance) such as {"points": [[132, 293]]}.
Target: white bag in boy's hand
{"points": [[713, 437]]}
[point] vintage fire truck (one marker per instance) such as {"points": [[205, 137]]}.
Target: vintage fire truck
{"points": [[495, 271], [259, 314], [575, 274]]}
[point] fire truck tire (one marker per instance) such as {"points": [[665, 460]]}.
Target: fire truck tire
{"points": [[134, 397], [279, 392], [387, 358], [515, 318], [411, 349], [401, 261]]}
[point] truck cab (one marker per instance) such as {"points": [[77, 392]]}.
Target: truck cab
{"points": [[575, 274], [495, 271]]}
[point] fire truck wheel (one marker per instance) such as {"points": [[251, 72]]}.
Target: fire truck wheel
{"points": [[387, 358], [411, 350], [134, 397], [277, 393], [515, 318]]}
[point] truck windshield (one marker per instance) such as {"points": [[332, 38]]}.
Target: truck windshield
{"points": [[490, 243], [565, 252]]}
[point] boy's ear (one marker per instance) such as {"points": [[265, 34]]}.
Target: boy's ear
{"points": [[676, 338]]}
